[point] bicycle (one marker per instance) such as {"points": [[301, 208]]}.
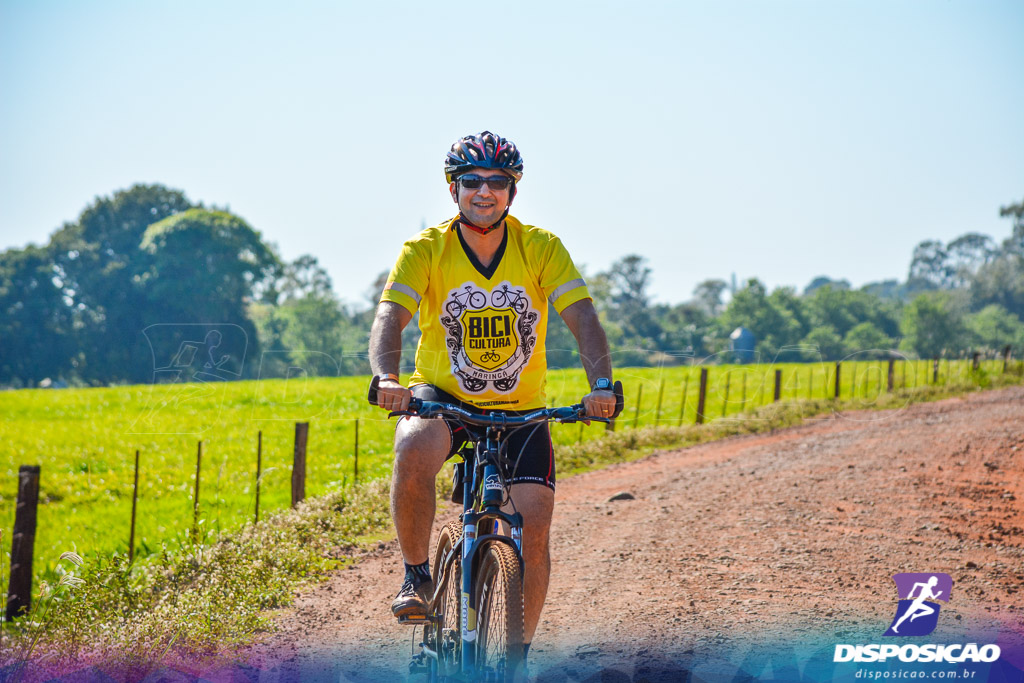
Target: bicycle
{"points": [[474, 627]]}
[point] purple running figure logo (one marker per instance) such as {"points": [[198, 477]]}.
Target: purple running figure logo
{"points": [[918, 611]]}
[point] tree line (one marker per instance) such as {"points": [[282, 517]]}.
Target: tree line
{"points": [[139, 278]]}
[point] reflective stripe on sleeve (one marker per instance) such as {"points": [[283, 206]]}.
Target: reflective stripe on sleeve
{"points": [[567, 287], [407, 290]]}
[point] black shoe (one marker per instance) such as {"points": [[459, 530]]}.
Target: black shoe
{"points": [[412, 600]]}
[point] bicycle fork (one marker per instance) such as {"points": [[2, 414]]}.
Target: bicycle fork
{"points": [[472, 542]]}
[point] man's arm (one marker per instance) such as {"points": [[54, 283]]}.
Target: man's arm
{"points": [[581, 318], [386, 353]]}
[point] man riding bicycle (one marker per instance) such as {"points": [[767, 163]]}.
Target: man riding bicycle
{"points": [[481, 282]]}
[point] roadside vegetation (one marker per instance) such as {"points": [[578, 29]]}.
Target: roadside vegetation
{"points": [[85, 440], [198, 601]]}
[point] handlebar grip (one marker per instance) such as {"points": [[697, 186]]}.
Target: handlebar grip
{"points": [[371, 395], [619, 399]]}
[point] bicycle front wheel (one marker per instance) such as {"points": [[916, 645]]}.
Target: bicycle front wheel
{"points": [[446, 637], [499, 601]]}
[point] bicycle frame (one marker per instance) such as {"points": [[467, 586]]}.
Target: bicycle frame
{"points": [[483, 495], [481, 506], [485, 487]]}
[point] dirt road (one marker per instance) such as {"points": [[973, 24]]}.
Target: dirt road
{"points": [[789, 537]]}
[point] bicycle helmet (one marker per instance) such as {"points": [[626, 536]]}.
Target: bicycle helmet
{"points": [[485, 150]]}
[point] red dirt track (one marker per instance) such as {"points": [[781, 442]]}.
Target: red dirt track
{"points": [[770, 536]]}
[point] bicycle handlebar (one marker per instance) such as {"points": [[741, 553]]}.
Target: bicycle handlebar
{"points": [[430, 409]]}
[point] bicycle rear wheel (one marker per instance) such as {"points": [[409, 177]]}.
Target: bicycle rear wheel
{"points": [[445, 636], [499, 601]]}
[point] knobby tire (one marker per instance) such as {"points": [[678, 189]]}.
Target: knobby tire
{"points": [[499, 600], [446, 636]]}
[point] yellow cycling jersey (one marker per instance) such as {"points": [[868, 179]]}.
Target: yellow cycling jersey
{"points": [[483, 329]]}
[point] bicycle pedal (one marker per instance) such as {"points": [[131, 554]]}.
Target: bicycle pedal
{"points": [[419, 665], [416, 619]]}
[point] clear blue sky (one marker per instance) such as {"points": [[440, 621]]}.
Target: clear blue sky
{"points": [[781, 140]]}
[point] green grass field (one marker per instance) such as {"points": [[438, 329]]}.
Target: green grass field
{"points": [[85, 441]]}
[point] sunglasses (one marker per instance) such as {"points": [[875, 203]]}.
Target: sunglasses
{"points": [[475, 182]]}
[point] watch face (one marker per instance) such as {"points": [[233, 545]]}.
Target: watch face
{"points": [[603, 384]]}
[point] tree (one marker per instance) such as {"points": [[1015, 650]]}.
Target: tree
{"points": [[821, 281], [708, 295], [885, 289], [933, 325], [866, 338], [204, 267], [688, 329], [561, 346], [1015, 243], [104, 273], [826, 342], [843, 309], [773, 324], [301, 278], [994, 327], [629, 308], [929, 266], [1000, 282], [36, 323], [629, 278], [967, 254]]}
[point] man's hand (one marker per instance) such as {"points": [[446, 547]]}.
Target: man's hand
{"points": [[393, 396], [599, 403]]}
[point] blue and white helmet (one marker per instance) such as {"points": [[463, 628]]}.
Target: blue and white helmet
{"points": [[485, 150]]}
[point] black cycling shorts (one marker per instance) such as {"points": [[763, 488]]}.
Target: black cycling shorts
{"points": [[536, 465]]}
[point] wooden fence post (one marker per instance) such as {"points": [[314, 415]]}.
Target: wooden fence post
{"points": [[682, 403], [259, 472], [702, 396], [976, 360], [195, 495], [636, 413], [135, 505], [725, 402], [19, 593], [778, 385], [1006, 357], [355, 450], [299, 463], [890, 375], [935, 370], [838, 368], [661, 394]]}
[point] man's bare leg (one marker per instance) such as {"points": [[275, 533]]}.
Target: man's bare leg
{"points": [[420, 450], [536, 502]]}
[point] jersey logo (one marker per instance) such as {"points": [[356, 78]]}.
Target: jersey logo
{"points": [[490, 335]]}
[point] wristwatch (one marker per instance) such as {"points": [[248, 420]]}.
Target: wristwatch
{"points": [[602, 384], [387, 375]]}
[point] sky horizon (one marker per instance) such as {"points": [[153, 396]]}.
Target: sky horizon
{"points": [[781, 140]]}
